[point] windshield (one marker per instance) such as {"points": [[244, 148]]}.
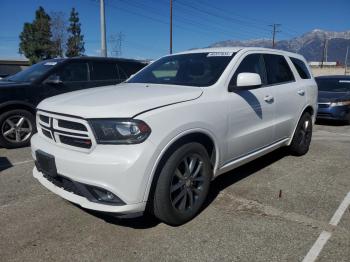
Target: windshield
{"points": [[33, 72], [196, 69], [333, 85]]}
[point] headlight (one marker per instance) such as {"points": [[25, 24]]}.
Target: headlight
{"points": [[120, 131], [341, 103]]}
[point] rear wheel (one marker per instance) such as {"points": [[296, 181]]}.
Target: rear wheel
{"points": [[302, 136], [183, 185], [16, 128]]}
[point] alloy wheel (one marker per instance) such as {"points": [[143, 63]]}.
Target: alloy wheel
{"points": [[187, 183], [16, 129], [305, 132]]}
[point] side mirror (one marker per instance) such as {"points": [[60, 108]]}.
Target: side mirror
{"points": [[53, 80], [248, 81]]}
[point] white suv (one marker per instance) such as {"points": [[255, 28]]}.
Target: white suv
{"points": [[155, 142]]}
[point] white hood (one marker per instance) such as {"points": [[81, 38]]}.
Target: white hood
{"points": [[124, 100]]}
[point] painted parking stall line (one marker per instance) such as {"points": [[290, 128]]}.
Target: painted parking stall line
{"points": [[325, 235], [340, 211]]}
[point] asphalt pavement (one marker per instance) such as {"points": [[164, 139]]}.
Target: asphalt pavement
{"points": [[272, 209]]}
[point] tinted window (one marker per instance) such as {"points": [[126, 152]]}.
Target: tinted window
{"points": [[33, 72], [197, 69], [130, 68], [250, 64], [277, 69], [301, 68], [104, 71], [333, 85], [73, 72]]}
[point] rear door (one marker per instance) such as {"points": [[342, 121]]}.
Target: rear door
{"points": [[288, 92], [251, 112]]}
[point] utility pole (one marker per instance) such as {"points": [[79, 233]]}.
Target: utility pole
{"points": [[346, 60], [274, 32], [171, 27], [324, 51], [103, 29]]}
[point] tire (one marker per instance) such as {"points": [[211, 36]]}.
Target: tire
{"points": [[302, 137], [180, 192], [22, 124]]}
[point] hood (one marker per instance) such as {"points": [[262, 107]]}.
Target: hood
{"points": [[325, 96], [124, 100]]}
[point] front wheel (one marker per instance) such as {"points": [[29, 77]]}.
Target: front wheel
{"points": [[183, 185], [302, 137], [16, 128]]}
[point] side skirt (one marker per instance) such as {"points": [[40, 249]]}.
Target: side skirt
{"points": [[251, 156]]}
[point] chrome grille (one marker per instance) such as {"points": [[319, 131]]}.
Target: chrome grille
{"points": [[65, 130]]}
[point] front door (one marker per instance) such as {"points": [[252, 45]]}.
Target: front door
{"points": [[251, 112], [71, 77]]}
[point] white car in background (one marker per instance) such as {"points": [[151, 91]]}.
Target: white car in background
{"points": [[155, 142]]}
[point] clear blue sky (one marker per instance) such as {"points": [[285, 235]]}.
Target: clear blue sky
{"points": [[197, 23]]}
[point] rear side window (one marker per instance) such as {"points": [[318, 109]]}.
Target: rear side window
{"points": [[250, 64], [104, 71], [301, 68], [277, 69]]}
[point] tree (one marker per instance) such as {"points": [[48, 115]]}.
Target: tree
{"points": [[75, 43], [35, 39], [59, 33]]}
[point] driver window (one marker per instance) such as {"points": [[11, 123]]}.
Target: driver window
{"points": [[250, 64], [72, 72]]}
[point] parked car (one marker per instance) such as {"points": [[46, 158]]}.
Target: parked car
{"points": [[20, 93], [334, 98], [157, 141]]}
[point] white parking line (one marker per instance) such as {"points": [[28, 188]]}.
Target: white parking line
{"points": [[340, 211], [317, 247], [325, 235]]}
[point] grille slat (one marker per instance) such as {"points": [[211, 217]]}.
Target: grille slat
{"points": [[71, 125]]}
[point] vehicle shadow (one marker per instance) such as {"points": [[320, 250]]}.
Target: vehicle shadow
{"points": [[218, 184], [228, 179], [329, 122], [4, 163], [141, 221]]}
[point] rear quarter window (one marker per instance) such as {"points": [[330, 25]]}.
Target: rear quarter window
{"points": [[301, 68], [277, 69]]}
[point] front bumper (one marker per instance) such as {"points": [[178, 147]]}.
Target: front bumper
{"points": [[124, 170], [84, 202], [333, 112]]}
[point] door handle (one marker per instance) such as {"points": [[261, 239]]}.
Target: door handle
{"points": [[301, 92], [268, 99]]}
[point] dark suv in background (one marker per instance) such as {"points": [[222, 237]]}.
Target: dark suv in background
{"points": [[21, 93]]}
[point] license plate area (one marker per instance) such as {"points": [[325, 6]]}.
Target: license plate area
{"points": [[46, 163]]}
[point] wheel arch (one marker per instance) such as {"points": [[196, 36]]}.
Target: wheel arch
{"points": [[201, 136], [306, 109], [13, 105]]}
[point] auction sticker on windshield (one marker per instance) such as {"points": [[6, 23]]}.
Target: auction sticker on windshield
{"points": [[220, 54], [50, 63]]}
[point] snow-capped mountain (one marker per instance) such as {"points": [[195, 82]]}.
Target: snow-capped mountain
{"points": [[310, 44]]}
